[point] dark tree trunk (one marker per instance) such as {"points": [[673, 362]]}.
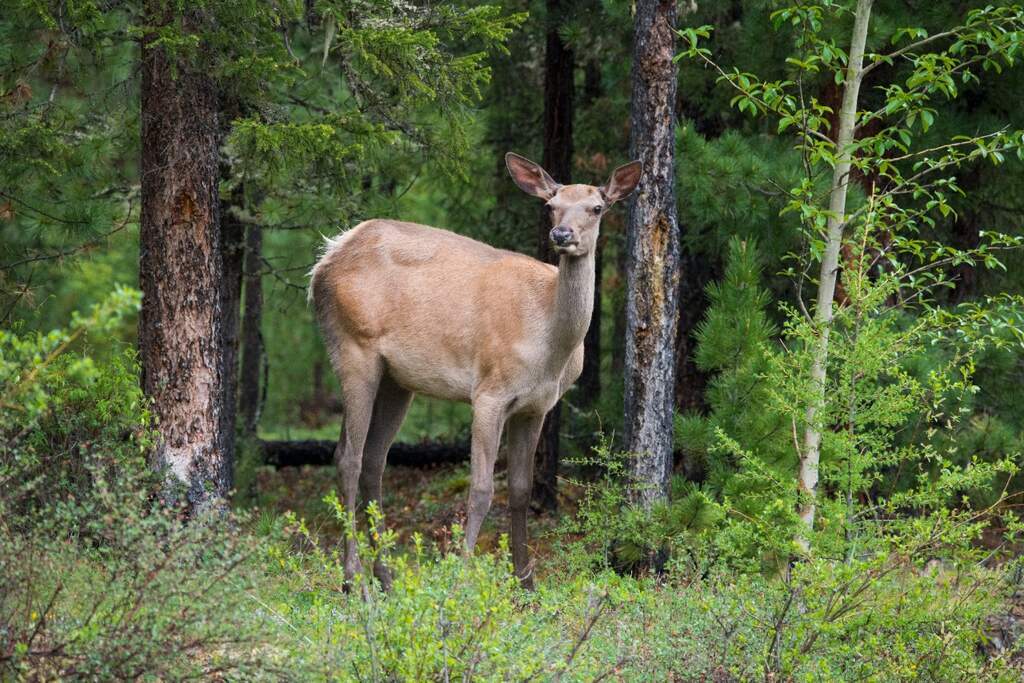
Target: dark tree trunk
{"points": [[181, 336], [652, 274], [252, 334], [559, 66], [233, 254], [967, 235], [590, 379], [557, 160], [618, 342], [697, 270]]}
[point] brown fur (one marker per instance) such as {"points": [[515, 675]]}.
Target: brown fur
{"points": [[408, 308]]}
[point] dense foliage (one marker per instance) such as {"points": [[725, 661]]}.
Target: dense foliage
{"points": [[332, 112]]}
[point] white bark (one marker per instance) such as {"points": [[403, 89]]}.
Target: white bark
{"points": [[809, 458]]}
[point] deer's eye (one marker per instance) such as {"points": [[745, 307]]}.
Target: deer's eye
{"points": [[597, 210]]}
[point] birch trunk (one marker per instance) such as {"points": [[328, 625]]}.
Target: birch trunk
{"points": [[835, 225]]}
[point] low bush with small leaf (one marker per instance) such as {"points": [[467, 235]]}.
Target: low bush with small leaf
{"points": [[98, 581]]}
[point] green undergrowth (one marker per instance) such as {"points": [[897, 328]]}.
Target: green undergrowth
{"points": [[879, 618], [100, 581]]}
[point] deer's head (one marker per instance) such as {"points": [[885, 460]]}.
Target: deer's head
{"points": [[575, 210]]}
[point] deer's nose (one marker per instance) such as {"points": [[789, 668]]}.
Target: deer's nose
{"points": [[561, 235]]}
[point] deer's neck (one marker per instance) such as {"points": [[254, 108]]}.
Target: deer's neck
{"points": [[574, 302]]}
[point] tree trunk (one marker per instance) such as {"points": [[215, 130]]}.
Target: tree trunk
{"points": [[181, 337], [233, 255], [697, 271], [557, 160], [967, 236], [618, 340], [252, 333], [590, 379], [835, 225], [652, 269]]}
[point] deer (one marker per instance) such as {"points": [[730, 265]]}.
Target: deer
{"points": [[405, 308]]}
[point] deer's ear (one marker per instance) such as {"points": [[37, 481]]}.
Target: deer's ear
{"points": [[623, 181], [531, 178]]}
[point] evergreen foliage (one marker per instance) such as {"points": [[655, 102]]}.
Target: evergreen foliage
{"points": [[333, 112], [736, 341]]}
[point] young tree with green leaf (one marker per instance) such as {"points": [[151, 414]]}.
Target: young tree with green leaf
{"points": [[910, 180]]}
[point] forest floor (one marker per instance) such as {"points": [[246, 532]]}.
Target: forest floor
{"points": [[424, 500]]}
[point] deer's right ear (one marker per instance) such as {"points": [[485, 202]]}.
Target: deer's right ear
{"points": [[531, 178]]}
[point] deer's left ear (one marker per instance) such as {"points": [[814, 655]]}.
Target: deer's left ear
{"points": [[623, 181]]}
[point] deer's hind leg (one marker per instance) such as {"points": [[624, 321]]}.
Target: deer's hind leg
{"points": [[359, 371], [389, 410]]}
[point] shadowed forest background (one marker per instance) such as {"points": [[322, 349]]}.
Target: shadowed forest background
{"points": [[793, 451]]}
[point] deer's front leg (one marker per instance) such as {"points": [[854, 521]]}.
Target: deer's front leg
{"points": [[488, 416], [523, 434]]}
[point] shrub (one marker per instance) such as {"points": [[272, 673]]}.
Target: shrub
{"points": [[446, 617], [97, 580]]}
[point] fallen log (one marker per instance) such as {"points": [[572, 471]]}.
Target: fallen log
{"points": [[280, 454]]}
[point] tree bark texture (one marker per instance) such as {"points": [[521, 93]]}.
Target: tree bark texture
{"points": [[252, 334], [652, 268], [811, 452], [233, 255], [559, 65], [181, 273]]}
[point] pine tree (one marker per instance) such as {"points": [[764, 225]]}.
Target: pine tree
{"points": [[182, 341], [232, 78], [734, 342]]}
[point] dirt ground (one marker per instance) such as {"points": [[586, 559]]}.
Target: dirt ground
{"points": [[427, 500]]}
